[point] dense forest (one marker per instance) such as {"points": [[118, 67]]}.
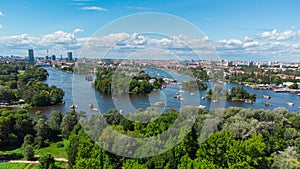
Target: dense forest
{"points": [[234, 93], [23, 83], [110, 80], [239, 93], [225, 138]]}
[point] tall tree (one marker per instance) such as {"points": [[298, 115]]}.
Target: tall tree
{"points": [[55, 121], [68, 123]]}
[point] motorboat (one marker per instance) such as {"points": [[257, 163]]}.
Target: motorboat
{"points": [[268, 104], [161, 104], [249, 101], [266, 97]]}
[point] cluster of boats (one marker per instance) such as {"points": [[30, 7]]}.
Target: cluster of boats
{"points": [[269, 104], [91, 106], [267, 97], [179, 96]]}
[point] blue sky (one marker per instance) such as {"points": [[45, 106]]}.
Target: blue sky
{"points": [[243, 29]]}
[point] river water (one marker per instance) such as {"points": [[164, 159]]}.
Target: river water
{"points": [[79, 91]]}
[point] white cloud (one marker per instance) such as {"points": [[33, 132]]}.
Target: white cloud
{"points": [[77, 31], [1, 26], [126, 45], [56, 42], [1, 13], [280, 36], [94, 8]]}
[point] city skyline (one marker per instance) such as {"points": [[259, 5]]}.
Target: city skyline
{"points": [[241, 30]]}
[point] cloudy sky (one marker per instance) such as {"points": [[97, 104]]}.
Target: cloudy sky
{"points": [[239, 29]]}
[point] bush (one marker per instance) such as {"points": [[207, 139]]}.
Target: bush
{"points": [[46, 162], [60, 145], [28, 152]]}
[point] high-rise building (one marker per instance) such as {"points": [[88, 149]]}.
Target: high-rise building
{"points": [[53, 57], [31, 56], [70, 56]]}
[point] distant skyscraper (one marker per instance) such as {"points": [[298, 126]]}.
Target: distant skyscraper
{"points": [[53, 57], [70, 56], [31, 56]]}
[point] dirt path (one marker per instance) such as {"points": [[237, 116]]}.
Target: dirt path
{"points": [[32, 162]]}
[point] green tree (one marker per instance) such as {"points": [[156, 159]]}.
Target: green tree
{"points": [[6, 94], [293, 86], [43, 132], [133, 164], [41, 99], [28, 140], [47, 162], [286, 159], [55, 121], [68, 123], [113, 117], [28, 152]]}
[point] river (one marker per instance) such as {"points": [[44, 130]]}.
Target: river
{"points": [[85, 94]]}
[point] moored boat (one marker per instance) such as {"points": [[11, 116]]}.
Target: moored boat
{"points": [[95, 109], [249, 101], [176, 96], [290, 104], [266, 97], [268, 104], [161, 104]]}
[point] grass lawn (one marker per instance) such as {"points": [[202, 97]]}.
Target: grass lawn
{"points": [[16, 151], [17, 166], [54, 150], [15, 154]]}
